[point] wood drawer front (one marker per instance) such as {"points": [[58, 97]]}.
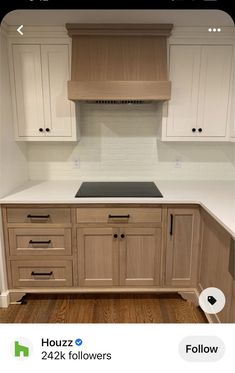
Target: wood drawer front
{"points": [[26, 273], [36, 215], [46, 241], [119, 215]]}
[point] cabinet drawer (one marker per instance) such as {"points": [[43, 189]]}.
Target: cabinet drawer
{"points": [[41, 273], [119, 215], [40, 241], [36, 215]]}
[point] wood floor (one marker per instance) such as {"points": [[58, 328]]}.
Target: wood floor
{"points": [[99, 308]]}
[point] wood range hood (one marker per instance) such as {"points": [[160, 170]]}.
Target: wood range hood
{"points": [[119, 62]]}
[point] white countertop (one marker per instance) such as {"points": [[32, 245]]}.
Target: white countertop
{"points": [[217, 197]]}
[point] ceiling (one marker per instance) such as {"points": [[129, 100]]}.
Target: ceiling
{"points": [[177, 17]]}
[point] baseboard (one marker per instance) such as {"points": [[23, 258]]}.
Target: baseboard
{"points": [[4, 299]]}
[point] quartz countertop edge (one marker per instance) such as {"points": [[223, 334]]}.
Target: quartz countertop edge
{"points": [[216, 197]]}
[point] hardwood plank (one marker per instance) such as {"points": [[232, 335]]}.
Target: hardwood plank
{"points": [[103, 308]]}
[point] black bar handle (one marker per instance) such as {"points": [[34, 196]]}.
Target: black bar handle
{"points": [[39, 242], [42, 273], [119, 216], [171, 226], [38, 216]]}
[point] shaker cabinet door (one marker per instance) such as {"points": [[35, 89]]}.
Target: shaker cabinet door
{"points": [[59, 116], [98, 257], [182, 247], [213, 99], [28, 90], [140, 256], [184, 75]]}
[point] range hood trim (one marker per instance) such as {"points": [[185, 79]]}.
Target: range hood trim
{"points": [[112, 29], [119, 90]]}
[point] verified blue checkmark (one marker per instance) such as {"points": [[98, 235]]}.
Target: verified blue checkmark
{"points": [[78, 342]]}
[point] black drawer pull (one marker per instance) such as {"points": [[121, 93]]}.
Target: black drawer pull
{"points": [[42, 273], [39, 242], [119, 216], [122, 235], [38, 216], [171, 226]]}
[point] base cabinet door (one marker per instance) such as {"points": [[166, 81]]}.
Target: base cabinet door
{"points": [[215, 264], [182, 247], [140, 251], [97, 257]]}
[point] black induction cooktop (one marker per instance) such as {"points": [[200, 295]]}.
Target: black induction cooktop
{"points": [[118, 189]]}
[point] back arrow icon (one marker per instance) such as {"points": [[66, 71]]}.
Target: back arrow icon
{"points": [[19, 30]]}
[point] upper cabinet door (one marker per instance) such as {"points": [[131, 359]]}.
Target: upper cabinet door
{"points": [[184, 74], [59, 116], [28, 90], [213, 104]]}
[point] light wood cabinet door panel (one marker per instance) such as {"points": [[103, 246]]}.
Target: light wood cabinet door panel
{"points": [[98, 262], [40, 241], [182, 247], [140, 250], [41, 273]]}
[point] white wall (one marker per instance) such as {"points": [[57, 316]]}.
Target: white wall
{"points": [[120, 142], [13, 162]]}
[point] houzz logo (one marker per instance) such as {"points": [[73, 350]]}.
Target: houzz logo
{"points": [[21, 348]]}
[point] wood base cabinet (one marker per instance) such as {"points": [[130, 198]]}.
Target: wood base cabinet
{"points": [[182, 247], [215, 264], [119, 256], [118, 248]]}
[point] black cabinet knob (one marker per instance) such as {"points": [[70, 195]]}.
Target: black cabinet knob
{"points": [[193, 129], [122, 235], [115, 235], [200, 130], [41, 129], [47, 129]]}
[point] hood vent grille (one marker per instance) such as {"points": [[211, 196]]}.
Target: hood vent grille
{"points": [[119, 102]]}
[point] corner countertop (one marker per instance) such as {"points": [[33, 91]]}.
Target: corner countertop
{"points": [[216, 197]]}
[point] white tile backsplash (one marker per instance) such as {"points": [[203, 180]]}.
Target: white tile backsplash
{"points": [[119, 142]]}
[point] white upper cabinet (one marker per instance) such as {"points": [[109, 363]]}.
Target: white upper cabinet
{"points": [[184, 74], [199, 105], [213, 99], [28, 90], [40, 75]]}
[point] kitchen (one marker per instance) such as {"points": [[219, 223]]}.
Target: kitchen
{"points": [[160, 114]]}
